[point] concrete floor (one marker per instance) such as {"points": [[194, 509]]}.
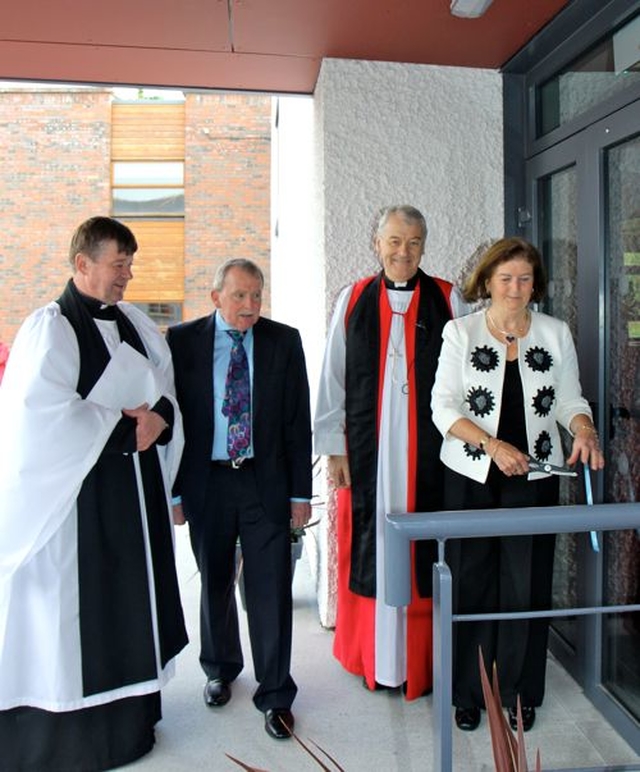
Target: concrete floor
{"points": [[362, 731]]}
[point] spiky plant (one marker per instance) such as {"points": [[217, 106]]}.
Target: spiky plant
{"points": [[509, 753], [335, 768]]}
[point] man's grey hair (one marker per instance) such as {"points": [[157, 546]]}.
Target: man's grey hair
{"points": [[406, 212], [236, 262]]}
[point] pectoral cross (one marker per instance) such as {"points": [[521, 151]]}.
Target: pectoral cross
{"points": [[395, 355]]}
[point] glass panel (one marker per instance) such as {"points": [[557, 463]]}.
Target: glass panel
{"points": [[148, 173], [594, 77], [147, 201], [621, 632], [558, 230]]}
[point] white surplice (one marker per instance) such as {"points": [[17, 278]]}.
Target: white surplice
{"points": [[393, 449], [51, 438]]}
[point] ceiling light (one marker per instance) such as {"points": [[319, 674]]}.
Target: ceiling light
{"points": [[469, 9]]}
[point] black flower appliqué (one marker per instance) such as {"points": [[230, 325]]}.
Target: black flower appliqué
{"points": [[543, 446], [484, 358], [480, 401], [538, 359], [473, 452], [543, 400]]}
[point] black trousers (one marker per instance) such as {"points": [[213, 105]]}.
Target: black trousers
{"points": [[500, 574], [234, 511]]}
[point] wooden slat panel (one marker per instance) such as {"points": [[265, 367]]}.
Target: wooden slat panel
{"points": [[158, 266], [147, 132]]}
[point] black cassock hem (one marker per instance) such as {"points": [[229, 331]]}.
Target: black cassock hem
{"points": [[87, 740]]}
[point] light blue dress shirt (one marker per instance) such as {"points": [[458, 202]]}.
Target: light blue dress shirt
{"points": [[221, 355]]}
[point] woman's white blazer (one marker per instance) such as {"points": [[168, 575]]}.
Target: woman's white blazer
{"points": [[469, 384]]}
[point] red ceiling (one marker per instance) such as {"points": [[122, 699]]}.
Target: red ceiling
{"points": [[255, 45]]}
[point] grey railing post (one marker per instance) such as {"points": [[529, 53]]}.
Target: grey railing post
{"points": [[442, 635], [397, 550], [402, 529]]}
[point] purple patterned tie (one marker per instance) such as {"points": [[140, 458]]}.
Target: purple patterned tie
{"points": [[237, 399]]}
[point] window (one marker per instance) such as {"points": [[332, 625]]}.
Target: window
{"points": [[148, 188], [148, 195], [606, 69], [163, 314]]}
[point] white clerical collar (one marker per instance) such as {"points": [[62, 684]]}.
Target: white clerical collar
{"points": [[402, 286]]}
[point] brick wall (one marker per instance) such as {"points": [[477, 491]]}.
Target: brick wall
{"points": [[56, 173], [227, 194]]}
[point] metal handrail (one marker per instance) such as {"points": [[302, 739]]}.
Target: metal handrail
{"points": [[402, 529]]}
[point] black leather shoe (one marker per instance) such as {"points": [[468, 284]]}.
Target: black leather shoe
{"points": [[467, 719], [425, 693], [278, 723], [217, 692], [528, 718], [376, 686]]}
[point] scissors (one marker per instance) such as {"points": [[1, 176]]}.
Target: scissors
{"points": [[543, 466]]}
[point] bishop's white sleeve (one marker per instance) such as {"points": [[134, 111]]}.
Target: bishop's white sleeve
{"points": [[459, 306], [329, 422]]}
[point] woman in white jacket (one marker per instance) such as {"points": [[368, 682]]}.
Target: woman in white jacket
{"points": [[506, 377]]}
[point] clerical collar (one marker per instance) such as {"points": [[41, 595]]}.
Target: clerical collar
{"points": [[401, 285], [95, 307]]}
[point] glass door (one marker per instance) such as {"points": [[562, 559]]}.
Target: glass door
{"points": [[557, 218], [555, 181], [584, 199], [621, 632]]}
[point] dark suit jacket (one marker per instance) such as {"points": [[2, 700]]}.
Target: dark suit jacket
{"points": [[281, 414]]}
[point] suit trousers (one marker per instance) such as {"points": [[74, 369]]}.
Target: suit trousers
{"points": [[234, 512]]}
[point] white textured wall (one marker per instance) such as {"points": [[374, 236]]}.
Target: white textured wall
{"points": [[398, 133], [380, 134]]}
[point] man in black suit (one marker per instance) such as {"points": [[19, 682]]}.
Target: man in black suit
{"points": [[255, 493]]}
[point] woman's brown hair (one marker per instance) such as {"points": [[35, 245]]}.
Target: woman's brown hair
{"points": [[500, 252]]}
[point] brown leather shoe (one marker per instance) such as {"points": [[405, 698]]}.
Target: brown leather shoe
{"points": [[217, 692], [278, 723]]}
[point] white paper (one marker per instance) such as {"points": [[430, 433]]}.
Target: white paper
{"points": [[127, 382]]}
